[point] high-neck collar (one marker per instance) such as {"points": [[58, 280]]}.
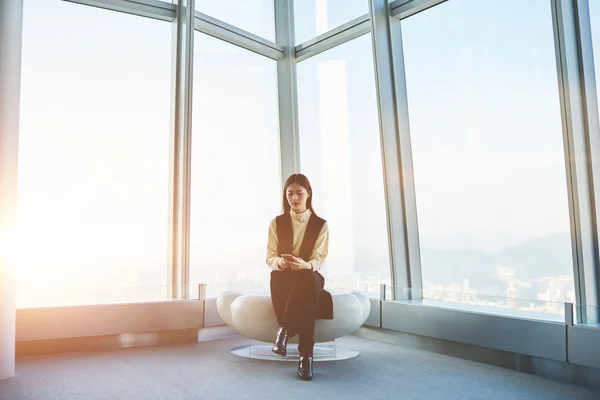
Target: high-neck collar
{"points": [[302, 217]]}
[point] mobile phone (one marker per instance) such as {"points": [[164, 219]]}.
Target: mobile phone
{"points": [[287, 257]]}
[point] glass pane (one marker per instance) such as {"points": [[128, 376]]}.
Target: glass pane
{"points": [[341, 155], [488, 150], [94, 155], [315, 17], [236, 178], [254, 16]]}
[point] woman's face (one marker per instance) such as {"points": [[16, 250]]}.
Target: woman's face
{"points": [[296, 197]]}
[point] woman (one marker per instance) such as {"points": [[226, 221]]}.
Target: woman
{"points": [[297, 247]]}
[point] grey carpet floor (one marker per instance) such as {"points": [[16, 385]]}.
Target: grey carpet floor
{"points": [[207, 371]]}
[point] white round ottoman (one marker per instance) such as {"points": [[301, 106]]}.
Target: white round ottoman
{"points": [[253, 316]]}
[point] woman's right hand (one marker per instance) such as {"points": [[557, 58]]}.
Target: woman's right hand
{"points": [[282, 264]]}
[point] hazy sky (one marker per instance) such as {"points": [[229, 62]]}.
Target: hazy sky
{"points": [[94, 159], [485, 120]]}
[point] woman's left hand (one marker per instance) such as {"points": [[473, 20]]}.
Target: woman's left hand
{"points": [[299, 264]]}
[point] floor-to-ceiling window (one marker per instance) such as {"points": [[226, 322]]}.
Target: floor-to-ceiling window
{"points": [[94, 156], [489, 164], [485, 128], [236, 175], [341, 155]]}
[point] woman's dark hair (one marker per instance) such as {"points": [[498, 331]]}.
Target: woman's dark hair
{"points": [[302, 181]]}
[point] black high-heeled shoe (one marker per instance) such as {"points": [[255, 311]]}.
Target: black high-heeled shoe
{"points": [[305, 366], [280, 345]]}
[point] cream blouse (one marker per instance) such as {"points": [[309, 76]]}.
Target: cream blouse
{"points": [[299, 223]]}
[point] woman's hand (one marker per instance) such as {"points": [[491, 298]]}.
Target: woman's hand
{"points": [[282, 264], [298, 264]]}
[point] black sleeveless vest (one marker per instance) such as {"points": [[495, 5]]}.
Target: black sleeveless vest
{"points": [[285, 235]]}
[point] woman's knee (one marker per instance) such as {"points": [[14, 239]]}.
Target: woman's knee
{"points": [[306, 273]]}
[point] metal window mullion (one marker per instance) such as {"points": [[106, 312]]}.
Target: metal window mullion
{"points": [[335, 37], [396, 150], [11, 40], [405, 8], [581, 133], [236, 36], [179, 210], [289, 140], [147, 8]]}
